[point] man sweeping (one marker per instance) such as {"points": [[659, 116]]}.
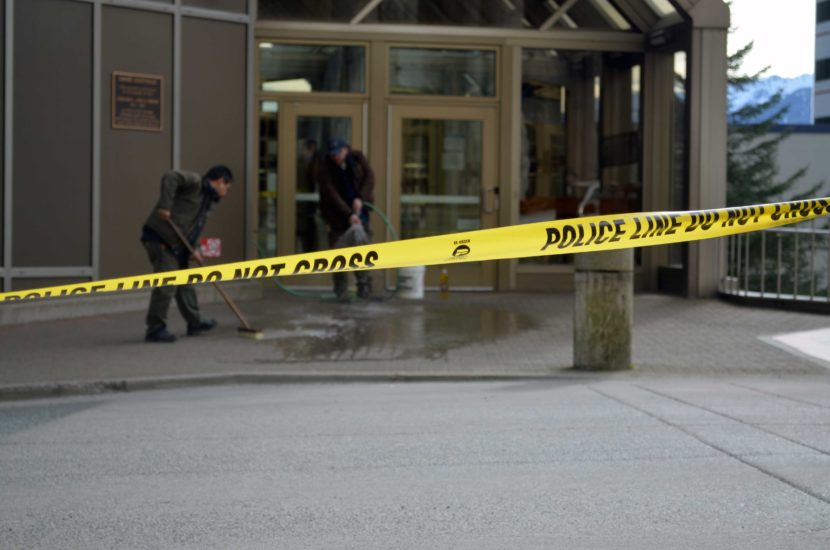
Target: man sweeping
{"points": [[186, 199]]}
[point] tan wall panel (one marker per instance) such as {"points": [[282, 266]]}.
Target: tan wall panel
{"points": [[132, 161], [2, 122], [213, 118], [52, 180], [26, 284], [238, 6]]}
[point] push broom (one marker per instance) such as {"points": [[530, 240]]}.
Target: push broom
{"points": [[246, 329]]}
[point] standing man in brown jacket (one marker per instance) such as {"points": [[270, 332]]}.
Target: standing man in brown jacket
{"points": [[185, 198], [346, 183]]}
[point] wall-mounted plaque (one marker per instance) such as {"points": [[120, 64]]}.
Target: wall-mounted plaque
{"points": [[136, 101]]}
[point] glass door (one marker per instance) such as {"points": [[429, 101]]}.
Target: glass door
{"points": [[293, 138], [444, 180]]}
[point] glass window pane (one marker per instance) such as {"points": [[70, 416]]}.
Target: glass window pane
{"points": [[313, 132], [312, 68], [581, 123], [267, 176], [239, 6], [441, 177], [341, 11], [468, 73], [548, 181]]}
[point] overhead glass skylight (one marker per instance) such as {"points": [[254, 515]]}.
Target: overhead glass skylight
{"points": [[611, 14], [661, 7]]}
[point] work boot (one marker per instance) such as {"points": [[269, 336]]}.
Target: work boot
{"points": [[341, 287], [364, 286], [160, 336], [203, 326]]}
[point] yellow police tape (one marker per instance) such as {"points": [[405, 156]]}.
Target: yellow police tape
{"points": [[568, 236]]}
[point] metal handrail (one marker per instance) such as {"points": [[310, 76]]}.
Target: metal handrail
{"points": [[589, 199], [798, 265]]}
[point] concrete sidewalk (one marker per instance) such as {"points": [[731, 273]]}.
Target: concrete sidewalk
{"points": [[467, 336], [643, 464]]}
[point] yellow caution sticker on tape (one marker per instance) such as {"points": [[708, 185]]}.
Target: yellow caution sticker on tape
{"points": [[590, 234]]}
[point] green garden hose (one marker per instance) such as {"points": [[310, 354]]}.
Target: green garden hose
{"points": [[328, 295]]}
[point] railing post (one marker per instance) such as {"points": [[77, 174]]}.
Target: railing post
{"points": [[796, 258], [778, 267], [746, 266], [763, 262], [812, 259], [738, 264]]}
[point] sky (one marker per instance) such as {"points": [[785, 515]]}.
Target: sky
{"points": [[784, 34]]}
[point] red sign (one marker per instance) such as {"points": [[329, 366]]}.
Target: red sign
{"points": [[211, 247]]}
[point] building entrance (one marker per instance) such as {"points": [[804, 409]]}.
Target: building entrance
{"points": [[293, 137], [444, 179]]}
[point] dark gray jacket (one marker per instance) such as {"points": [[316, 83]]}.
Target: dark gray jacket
{"points": [[334, 208], [189, 202]]}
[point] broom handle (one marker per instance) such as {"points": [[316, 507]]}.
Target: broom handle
{"points": [[214, 283]]}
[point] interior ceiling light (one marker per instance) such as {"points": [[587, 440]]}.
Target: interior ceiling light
{"points": [[291, 85]]}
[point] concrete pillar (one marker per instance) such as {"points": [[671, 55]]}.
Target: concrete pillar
{"points": [[603, 309], [707, 135], [658, 102]]}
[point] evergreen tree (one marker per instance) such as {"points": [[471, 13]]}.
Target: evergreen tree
{"points": [[751, 167], [752, 178]]}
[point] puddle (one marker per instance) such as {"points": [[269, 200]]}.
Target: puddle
{"points": [[391, 331]]}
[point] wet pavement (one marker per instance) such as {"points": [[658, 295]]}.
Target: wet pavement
{"points": [[394, 330], [467, 336]]}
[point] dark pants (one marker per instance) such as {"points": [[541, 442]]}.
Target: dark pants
{"points": [[343, 239], [307, 227], [163, 259]]}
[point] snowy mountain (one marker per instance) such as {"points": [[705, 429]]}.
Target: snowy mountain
{"points": [[797, 95]]}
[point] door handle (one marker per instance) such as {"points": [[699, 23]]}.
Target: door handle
{"points": [[485, 192]]}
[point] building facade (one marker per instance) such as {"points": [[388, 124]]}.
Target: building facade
{"points": [[473, 115]]}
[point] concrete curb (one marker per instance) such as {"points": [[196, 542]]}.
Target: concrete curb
{"points": [[21, 392], [98, 387]]}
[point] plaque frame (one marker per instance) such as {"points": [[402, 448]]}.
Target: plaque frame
{"points": [[114, 102]]}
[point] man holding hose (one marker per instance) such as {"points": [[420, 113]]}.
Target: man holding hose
{"points": [[346, 183], [186, 198]]}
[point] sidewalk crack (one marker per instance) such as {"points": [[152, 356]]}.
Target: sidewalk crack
{"points": [[734, 419], [796, 486], [786, 397]]}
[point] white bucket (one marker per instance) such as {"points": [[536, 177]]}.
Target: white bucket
{"points": [[411, 282]]}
